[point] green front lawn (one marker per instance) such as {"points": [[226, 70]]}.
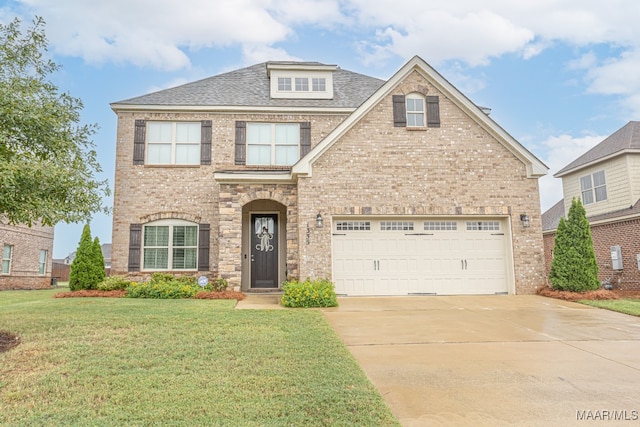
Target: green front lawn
{"points": [[626, 306], [103, 361]]}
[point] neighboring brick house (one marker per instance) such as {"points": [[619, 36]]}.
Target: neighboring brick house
{"points": [[607, 181], [26, 256], [301, 169]]}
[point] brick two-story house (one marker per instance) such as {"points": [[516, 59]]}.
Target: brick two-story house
{"points": [[607, 181], [26, 256], [302, 169]]}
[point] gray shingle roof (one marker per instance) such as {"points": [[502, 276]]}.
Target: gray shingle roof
{"points": [[627, 137], [249, 87], [551, 217]]}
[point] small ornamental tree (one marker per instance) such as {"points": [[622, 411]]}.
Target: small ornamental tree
{"points": [[574, 267], [98, 259], [83, 273]]}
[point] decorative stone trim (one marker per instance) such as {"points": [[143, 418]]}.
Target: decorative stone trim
{"points": [[170, 215]]}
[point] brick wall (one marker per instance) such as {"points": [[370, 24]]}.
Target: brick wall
{"points": [[143, 193], [623, 234], [457, 169], [27, 243]]}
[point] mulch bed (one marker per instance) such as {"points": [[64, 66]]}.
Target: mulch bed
{"points": [[8, 341], [119, 294], [600, 294]]}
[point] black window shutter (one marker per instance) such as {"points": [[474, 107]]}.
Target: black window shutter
{"points": [[241, 143], [135, 242], [305, 138], [204, 234], [433, 112], [205, 142], [139, 137], [399, 111]]}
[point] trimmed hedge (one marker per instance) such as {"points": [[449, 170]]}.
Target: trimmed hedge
{"points": [[164, 286], [310, 293]]}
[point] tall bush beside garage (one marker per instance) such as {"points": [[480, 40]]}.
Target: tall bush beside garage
{"points": [[574, 267]]}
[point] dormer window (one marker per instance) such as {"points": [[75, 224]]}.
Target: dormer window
{"points": [[284, 84], [302, 84], [301, 80]]}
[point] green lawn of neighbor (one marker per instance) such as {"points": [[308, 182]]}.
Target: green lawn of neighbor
{"points": [[140, 362], [627, 305]]}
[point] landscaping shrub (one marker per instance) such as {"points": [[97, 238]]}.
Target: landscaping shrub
{"points": [[310, 293], [85, 272], [114, 283], [219, 284], [164, 286]]}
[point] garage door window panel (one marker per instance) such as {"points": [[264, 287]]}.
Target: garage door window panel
{"points": [[483, 225]]}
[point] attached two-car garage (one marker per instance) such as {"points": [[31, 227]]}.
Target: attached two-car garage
{"points": [[443, 256]]}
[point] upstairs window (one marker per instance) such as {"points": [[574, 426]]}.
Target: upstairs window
{"points": [[593, 188], [7, 251], [319, 84], [302, 84], [173, 143], [415, 110], [273, 143], [284, 84]]}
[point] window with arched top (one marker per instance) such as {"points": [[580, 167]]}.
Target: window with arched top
{"points": [[415, 107], [170, 245]]}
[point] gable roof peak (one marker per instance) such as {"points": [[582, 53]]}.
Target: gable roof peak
{"points": [[625, 138]]}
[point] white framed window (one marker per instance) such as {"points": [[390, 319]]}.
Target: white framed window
{"points": [[170, 245], [302, 84], [284, 84], [593, 188], [42, 263], [173, 143], [319, 84], [7, 252], [415, 105], [273, 143]]}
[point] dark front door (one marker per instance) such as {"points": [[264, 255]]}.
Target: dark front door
{"points": [[264, 251]]}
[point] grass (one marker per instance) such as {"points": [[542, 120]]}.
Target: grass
{"points": [[627, 305], [103, 361]]}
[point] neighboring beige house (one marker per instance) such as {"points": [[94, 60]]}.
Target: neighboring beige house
{"points": [[607, 181], [26, 256], [301, 169]]}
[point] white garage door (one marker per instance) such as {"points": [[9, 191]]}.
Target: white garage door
{"points": [[401, 257]]}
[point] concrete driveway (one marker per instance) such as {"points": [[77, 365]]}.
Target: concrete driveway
{"points": [[495, 360]]}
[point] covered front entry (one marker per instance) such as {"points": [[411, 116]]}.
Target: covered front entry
{"points": [[264, 245], [448, 256]]}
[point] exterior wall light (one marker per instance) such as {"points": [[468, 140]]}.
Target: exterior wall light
{"points": [[524, 218], [319, 221]]}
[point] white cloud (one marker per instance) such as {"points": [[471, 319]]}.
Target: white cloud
{"points": [[559, 152]]}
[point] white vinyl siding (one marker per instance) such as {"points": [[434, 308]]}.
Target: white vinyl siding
{"points": [[619, 194], [173, 143]]}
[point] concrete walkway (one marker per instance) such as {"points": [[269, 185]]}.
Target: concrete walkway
{"points": [[495, 360]]}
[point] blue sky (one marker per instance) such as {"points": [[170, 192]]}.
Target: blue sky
{"points": [[559, 75]]}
